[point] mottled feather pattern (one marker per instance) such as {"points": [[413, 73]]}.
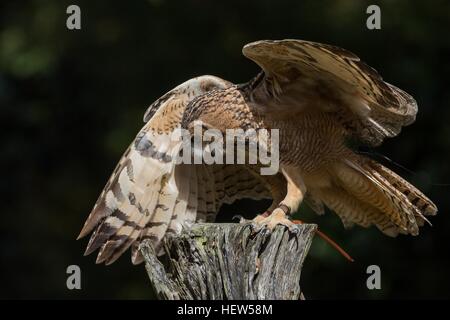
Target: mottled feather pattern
{"points": [[183, 174]]}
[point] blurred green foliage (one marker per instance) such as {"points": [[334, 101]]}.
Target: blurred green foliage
{"points": [[71, 101]]}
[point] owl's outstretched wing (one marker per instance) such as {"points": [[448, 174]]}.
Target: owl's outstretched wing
{"points": [[148, 195], [299, 74]]}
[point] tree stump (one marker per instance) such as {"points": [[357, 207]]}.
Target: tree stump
{"points": [[229, 261]]}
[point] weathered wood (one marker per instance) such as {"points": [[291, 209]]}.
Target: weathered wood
{"points": [[230, 261]]}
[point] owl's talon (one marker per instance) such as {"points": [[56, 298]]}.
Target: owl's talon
{"points": [[277, 217], [294, 229], [240, 218]]}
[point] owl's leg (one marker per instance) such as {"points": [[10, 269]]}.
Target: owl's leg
{"points": [[277, 186], [296, 191]]}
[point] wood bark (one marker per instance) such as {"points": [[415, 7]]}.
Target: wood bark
{"points": [[230, 261]]}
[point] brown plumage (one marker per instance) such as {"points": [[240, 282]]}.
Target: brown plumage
{"points": [[318, 96]]}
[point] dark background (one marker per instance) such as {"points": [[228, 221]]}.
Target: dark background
{"points": [[71, 102]]}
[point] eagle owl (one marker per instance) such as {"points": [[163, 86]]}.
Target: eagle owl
{"points": [[319, 96]]}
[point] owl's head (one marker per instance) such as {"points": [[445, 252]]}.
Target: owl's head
{"points": [[200, 85], [189, 90]]}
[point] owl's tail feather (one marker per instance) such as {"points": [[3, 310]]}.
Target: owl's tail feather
{"points": [[365, 192]]}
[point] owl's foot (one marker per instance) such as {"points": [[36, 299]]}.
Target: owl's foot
{"points": [[257, 219], [277, 217]]}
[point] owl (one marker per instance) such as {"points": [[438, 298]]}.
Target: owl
{"points": [[319, 98]]}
